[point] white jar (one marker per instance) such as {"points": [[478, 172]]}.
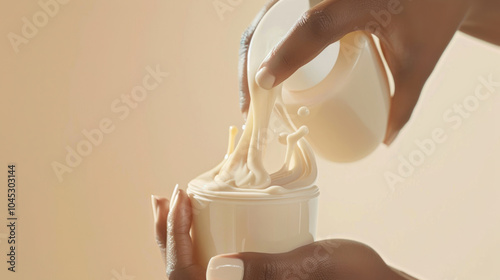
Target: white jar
{"points": [[225, 222]]}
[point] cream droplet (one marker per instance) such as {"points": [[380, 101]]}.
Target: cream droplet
{"points": [[303, 111], [291, 141]]}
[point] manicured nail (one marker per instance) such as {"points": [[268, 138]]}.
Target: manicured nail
{"points": [[154, 203], [265, 79], [224, 268], [175, 194]]}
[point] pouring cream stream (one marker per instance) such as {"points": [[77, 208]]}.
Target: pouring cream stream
{"points": [[242, 170]]}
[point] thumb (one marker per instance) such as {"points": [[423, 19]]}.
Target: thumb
{"points": [[308, 262], [179, 247], [322, 25]]}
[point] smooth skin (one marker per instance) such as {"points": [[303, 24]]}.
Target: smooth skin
{"points": [[332, 259], [412, 42]]}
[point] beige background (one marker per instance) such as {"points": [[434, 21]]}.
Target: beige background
{"points": [[442, 222]]}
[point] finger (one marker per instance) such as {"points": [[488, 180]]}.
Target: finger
{"points": [[327, 259], [307, 262], [180, 258], [242, 65], [403, 102], [319, 27], [160, 212]]}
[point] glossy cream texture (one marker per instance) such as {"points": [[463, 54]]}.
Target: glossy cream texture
{"points": [[242, 172]]}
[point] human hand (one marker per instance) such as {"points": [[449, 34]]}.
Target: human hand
{"points": [[413, 35], [328, 259], [172, 224]]}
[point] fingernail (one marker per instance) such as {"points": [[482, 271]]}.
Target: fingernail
{"points": [[265, 79], [154, 203], [175, 194], [224, 268]]}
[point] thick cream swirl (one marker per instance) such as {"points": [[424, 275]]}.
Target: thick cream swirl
{"points": [[242, 171]]}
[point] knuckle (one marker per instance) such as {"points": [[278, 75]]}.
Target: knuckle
{"points": [[266, 268], [319, 23], [270, 271], [286, 60]]}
